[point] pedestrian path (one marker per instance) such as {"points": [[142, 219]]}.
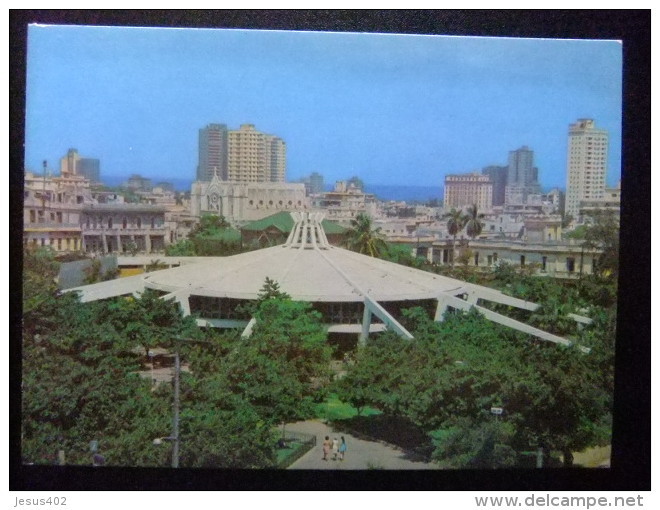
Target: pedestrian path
{"points": [[361, 454]]}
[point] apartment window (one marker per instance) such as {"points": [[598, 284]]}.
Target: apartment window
{"points": [[110, 222], [544, 261], [490, 260], [153, 222], [139, 222], [124, 223], [570, 264], [33, 216], [476, 259], [495, 257], [59, 244], [522, 261], [59, 217]]}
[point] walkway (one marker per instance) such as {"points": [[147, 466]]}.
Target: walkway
{"points": [[361, 454]]}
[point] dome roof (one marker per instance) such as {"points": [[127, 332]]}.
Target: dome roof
{"points": [[306, 274]]}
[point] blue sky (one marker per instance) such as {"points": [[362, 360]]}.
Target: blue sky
{"points": [[390, 109]]}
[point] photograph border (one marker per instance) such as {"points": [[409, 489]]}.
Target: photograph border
{"points": [[631, 445]]}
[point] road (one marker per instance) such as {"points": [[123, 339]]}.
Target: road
{"points": [[361, 454]]}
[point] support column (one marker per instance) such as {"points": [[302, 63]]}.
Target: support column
{"points": [[440, 310], [366, 323], [429, 254], [119, 247], [147, 243], [104, 241]]}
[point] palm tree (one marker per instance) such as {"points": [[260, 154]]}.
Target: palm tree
{"points": [[455, 223], [363, 238], [473, 223]]}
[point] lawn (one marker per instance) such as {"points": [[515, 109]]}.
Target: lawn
{"points": [[284, 453], [334, 409]]}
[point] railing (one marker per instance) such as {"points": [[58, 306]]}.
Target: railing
{"points": [[51, 225], [306, 442]]}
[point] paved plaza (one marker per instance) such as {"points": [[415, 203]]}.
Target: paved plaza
{"points": [[361, 454]]}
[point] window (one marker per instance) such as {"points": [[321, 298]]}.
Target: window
{"points": [[124, 222], [33, 216], [490, 260], [110, 222], [544, 261], [495, 257], [522, 261], [476, 259], [570, 264]]}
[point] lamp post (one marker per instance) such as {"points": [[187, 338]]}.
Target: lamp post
{"points": [[175, 419], [175, 413], [151, 356]]}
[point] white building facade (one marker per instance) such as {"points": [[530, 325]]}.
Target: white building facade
{"points": [[586, 164]]}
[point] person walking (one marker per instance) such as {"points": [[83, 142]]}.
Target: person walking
{"points": [[335, 448], [342, 448], [327, 445]]}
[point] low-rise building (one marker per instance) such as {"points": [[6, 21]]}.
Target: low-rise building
{"points": [[345, 203], [52, 207], [559, 259], [109, 228]]}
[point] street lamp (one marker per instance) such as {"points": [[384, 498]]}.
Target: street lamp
{"points": [[151, 356]]}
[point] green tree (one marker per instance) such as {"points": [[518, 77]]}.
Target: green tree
{"points": [[363, 238], [282, 368], [450, 375], [182, 248], [149, 321], [455, 223], [473, 223], [209, 224], [603, 234]]}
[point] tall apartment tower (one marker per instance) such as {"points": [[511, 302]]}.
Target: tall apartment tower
{"points": [[586, 164], [498, 176], [316, 182], [242, 155], [464, 190], [74, 164], [277, 149], [69, 163], [213, 152], [522, 176]]}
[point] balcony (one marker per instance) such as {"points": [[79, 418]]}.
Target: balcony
{"points": [[50, 226]]}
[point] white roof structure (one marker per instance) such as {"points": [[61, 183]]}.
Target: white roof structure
{"points": [[309, 269]]}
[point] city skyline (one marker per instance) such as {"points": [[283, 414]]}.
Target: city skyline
{"points": [[383, 107]]}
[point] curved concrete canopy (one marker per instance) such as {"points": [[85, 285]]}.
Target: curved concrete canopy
{"points": [[333, 274]]}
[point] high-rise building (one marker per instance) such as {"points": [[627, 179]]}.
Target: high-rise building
{"points": [[74, 164], [242, 155], [212, 152], [316, 182], [522, 176], [586, 164], [464, 190], [498, 176], [89, 168]]}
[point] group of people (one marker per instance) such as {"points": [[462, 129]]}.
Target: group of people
{"points": [[337, 449]]}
